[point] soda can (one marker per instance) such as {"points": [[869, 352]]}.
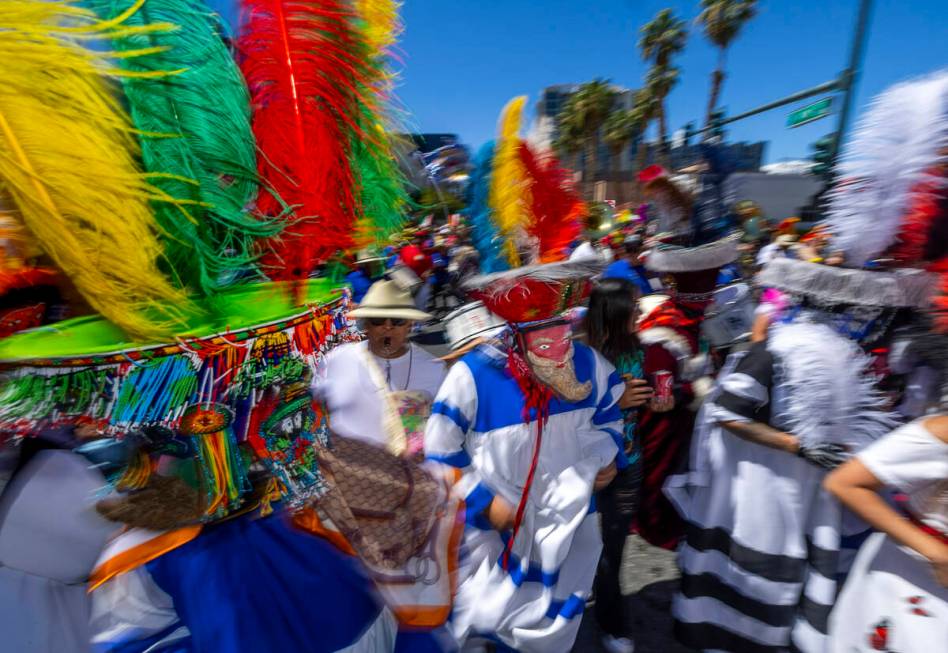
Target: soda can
{"points": [[663, 384]]}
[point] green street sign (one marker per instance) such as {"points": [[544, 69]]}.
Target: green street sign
{"points": [[810, 113]]}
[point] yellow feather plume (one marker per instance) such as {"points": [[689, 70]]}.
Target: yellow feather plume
{"points": [[509, 186], [382, 25], [67, 163]]}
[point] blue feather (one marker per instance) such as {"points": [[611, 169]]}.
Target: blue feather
{"points": [[484, 232]]}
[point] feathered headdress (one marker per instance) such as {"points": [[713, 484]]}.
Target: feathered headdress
{"points": [[892, 197], [189, 103], [381, 25], [889, 166], [509, 186], [306, 69], [380, 184], [485, 235], [555, 207], [518, 199], [67, 162]]}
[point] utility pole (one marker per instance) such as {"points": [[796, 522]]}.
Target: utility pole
{"points": [[849, 77], [845, 83]]}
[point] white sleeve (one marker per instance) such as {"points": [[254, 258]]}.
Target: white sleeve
{"points": [[130, 608], [452, 416], [908, 458]]}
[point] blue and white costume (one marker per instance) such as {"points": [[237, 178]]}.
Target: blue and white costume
{"points": [[244, 585], [477, 426]]}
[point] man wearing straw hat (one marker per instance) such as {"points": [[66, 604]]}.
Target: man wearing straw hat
{"points": [[380, 390]]}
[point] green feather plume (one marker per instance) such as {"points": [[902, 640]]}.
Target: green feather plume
{"points": [[193, 117], [381, 185]]}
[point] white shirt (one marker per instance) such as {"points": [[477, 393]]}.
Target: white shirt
{"points": [[766, 254], [584, 252], [915, 462], [355, 402]]}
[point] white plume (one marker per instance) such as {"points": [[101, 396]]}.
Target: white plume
{"points": [[831, 394], [894, 145]]}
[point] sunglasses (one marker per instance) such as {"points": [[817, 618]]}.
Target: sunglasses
{"points": [[379, 321]]}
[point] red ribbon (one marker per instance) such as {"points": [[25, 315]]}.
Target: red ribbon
{"points": [[536, 401]]}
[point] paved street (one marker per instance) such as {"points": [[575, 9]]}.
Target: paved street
{"points": [[649, 578]]}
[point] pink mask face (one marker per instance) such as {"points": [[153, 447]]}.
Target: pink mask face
{"points": [[552, 343]]}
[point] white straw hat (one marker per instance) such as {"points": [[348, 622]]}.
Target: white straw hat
{"points": [[386, 299]]}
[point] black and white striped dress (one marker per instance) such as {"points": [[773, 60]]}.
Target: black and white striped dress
{"points": [[759, 561]]}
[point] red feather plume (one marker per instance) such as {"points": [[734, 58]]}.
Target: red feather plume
{"points": [[939, 306], [926, 209], [304, 63], [555, 205]]}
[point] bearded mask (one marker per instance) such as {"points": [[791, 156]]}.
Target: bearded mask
{"points": [[549, 353]]}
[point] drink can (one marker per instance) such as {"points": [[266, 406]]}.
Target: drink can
{"points": [[663, 384]]}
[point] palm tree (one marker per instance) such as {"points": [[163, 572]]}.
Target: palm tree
{"points": [[661, 38], [722, 20], [660, 81], [569, 143], [645, 103], [583, 115], [621, 128]]}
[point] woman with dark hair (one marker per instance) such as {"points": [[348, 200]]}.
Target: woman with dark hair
{"points": [[610, 327]]}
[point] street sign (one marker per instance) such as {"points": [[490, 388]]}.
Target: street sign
{"points": [[810, 113]]}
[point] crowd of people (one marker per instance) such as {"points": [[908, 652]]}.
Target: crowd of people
{"points": [[447, 447]]}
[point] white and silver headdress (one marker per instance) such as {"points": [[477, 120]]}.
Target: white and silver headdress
{"points": [[895, 146], [836, 286]]}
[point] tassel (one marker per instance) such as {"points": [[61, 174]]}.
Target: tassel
{"points": [[44, 392], [223, 470], [509, 191], [192, 111], [305, 71], [155, 391], [136, 474], [67, 163], [273, 492]]}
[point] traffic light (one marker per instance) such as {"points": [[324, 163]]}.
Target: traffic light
{"points": [[717, 128], [822, 157], [689, 133]]}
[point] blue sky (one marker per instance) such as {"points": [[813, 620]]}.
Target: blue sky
{"points": [[463, 59]]}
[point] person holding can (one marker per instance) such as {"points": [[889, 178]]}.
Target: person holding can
{"points": [[610, 326], [678, 370]]}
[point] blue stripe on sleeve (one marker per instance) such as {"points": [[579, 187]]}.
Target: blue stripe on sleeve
{"points": [[452, 413], [459, 459], [567, 609], [533, 573], [608, 408], [475, 503], [611, 414], [614, 380], [622, 461]]}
